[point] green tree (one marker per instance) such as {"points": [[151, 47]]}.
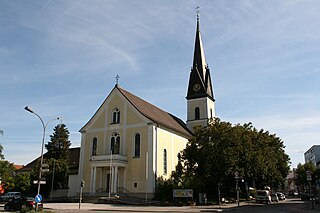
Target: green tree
{"points": [[6, 174], [164, 189], [59, 143], [1, 154], [57, 159], [1, 147], [6, 171], [301, 174], [217, 151], [22, 183]]}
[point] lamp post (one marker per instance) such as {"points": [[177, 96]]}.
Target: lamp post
{"points": [[42, 145], [236, 176]]}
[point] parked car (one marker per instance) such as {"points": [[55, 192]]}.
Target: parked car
{"points": [[281, 196], [10, 195], [306, 196], [274, 198], [263, 196], [22, 203]]}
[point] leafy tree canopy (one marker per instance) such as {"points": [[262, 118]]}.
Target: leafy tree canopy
{"points": [[301, 173], [6, 173], [217, 151]]}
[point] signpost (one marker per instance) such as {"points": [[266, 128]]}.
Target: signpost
{"points": [[41, 182], [38, 198], [183, 194], [45, 167], [80, 196], [309, 178]]}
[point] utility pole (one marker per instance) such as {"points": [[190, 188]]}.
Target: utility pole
{"points": [[236, 176]]}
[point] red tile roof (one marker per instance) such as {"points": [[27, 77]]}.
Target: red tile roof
{"points": [[18, 166]]}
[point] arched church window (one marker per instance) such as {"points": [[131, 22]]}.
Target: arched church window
{"points": [[197, 113], [137, 145], [116, 116], [165, 169], [94, 146], [115, 143]]}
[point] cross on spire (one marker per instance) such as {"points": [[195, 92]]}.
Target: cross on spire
{"points": [[117, 79], [198, 12]]}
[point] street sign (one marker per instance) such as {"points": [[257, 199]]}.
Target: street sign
{"points": [[38, 198], [41, 182], [309, 178], [236, 174], [44, 165]]}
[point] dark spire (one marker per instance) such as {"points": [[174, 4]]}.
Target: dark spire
{"points": [[200, 81]]}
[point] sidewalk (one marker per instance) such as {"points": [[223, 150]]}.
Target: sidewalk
{"points": [[85, 207]]}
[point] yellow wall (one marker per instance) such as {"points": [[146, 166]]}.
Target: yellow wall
{"points": [[131, 122], [173, 144]]}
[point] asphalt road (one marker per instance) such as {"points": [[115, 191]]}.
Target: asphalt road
{"points": [[288, 206]]}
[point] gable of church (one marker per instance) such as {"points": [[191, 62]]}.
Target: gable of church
{"points": [[114, 105]]}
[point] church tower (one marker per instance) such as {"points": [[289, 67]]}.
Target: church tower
{"points": [[200, 100]]}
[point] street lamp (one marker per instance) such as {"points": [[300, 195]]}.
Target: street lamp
{"points": [[43, 136]]}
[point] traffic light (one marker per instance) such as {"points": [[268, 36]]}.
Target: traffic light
{"points": [[82, 183]]}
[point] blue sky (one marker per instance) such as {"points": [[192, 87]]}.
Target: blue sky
{"points": [[61, 57]]}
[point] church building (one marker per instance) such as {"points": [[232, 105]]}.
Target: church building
{"points": [[129, 143]]}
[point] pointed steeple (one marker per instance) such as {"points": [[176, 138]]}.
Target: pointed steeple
{"points": [[200, 80]]}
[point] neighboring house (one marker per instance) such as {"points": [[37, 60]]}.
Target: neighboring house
{"points": [[313, 155], [16, 168], [290, 186], [73, 163], [129, 143]]}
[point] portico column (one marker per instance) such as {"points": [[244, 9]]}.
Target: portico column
{"points": [[94, 179], [116, 179], [91, 179], [112, 179]]}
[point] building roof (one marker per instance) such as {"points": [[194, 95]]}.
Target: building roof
{"points": [[156, 114], [73, 161], [17, 166]]}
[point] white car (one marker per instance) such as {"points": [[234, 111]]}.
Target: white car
{"points": [[281, 196], [263, 196], [274, 198]]}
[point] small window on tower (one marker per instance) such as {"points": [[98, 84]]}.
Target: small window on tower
{"points": [[197, 113]]}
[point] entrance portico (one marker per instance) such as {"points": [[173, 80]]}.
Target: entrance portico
{"points": [[107, 173]]}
